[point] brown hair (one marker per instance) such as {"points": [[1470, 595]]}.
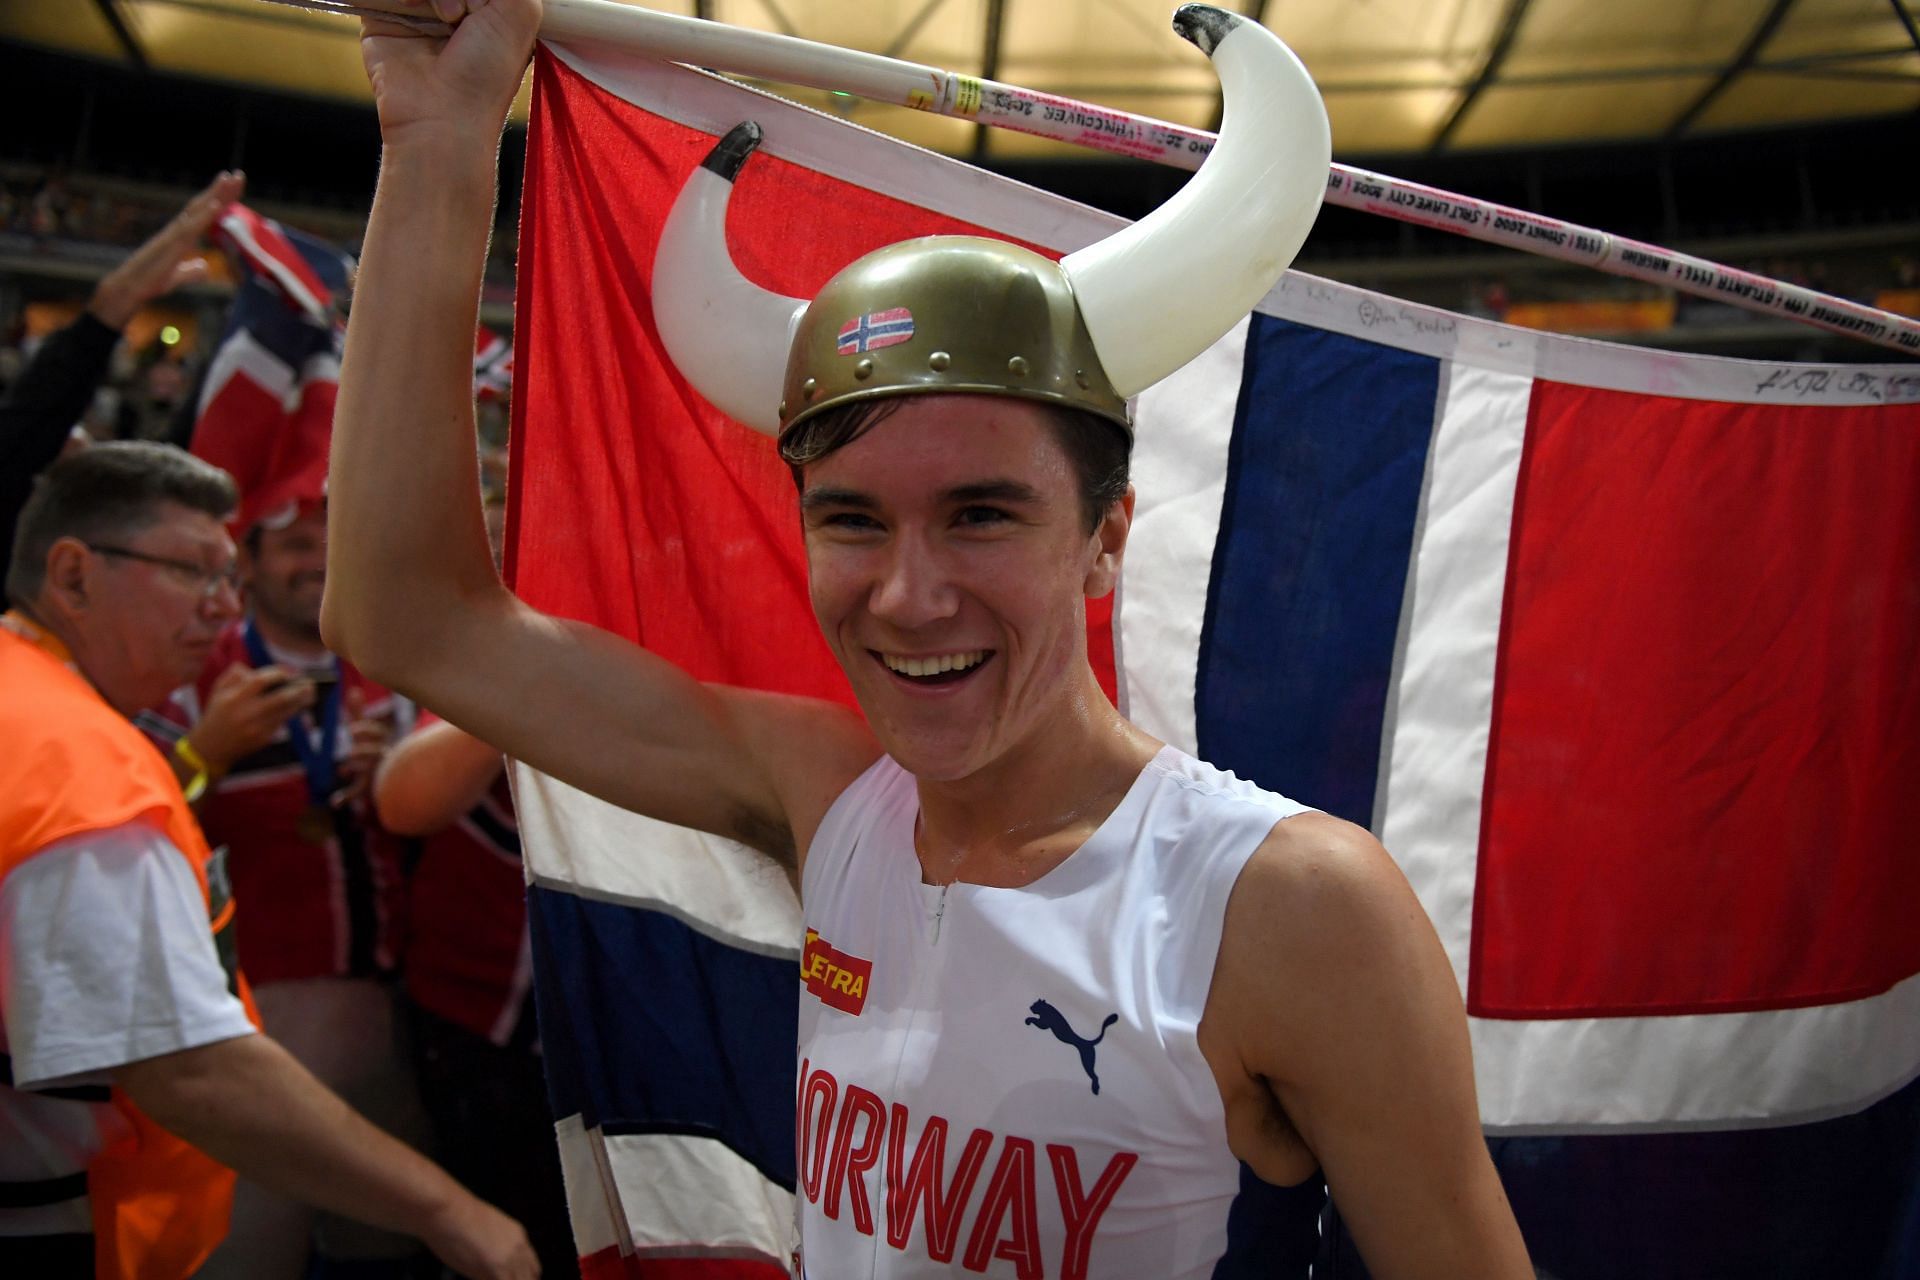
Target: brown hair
{"points": [[1098, 450]]}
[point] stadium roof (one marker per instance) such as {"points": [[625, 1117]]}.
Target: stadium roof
{"points": [[1400, 76]]}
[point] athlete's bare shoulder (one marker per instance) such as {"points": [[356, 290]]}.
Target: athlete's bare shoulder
{"points": [[1320, 916], [1326, 879]]}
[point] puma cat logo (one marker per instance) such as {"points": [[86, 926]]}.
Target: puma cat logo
{"points": [[1048, 1018]]}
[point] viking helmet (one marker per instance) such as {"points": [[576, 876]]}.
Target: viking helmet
{"points": [[967, 314]]}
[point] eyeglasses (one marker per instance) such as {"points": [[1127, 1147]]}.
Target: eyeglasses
{"points": [[207, 582]]}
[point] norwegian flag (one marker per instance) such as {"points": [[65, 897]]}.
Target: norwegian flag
{"points": [[492, 366], [1613, 648], [265, 411], [877, 329]]}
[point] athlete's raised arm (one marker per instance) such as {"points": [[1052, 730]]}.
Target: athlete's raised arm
{"points": [[412, 594]]}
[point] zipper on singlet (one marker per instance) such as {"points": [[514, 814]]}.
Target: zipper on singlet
{"points": [[940, 912]]}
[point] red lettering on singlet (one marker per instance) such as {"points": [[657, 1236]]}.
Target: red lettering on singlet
{"points": [[1082, 1210], [1009, 1195], [838, 1136], [853, 1157], [920, 1184], [813, 1137]]}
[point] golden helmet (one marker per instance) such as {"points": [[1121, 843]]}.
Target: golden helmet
{"points": [[945, 313]]}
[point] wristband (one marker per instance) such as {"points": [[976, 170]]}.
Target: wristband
{"points": [[203, 773]]}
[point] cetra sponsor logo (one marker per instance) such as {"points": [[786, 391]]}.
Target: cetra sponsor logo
{"points": [[838, 979]]}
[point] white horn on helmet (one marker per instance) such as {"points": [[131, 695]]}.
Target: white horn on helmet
{"points": [[726, 335], [1160, 292]]}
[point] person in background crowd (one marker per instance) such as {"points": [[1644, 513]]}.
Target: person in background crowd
{"points": [[469, 972], [132, 1061], [56, 388], [283, 738]]}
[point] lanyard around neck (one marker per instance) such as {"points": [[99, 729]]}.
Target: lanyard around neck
{"points": [[316, 757]]}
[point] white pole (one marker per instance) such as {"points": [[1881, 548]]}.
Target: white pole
{"points": [[790, 60]]}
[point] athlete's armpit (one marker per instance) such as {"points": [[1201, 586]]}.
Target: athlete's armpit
{"points": [[766, 833]]}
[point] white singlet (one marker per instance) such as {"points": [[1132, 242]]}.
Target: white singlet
{"points": [[1008, 1081]]}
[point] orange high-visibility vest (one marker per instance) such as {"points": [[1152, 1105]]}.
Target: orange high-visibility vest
{"points": [[72, 764]]}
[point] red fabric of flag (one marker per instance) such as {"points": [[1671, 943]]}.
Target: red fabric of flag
{"points": [[1701, 788], [637, 505], [265, 411]]}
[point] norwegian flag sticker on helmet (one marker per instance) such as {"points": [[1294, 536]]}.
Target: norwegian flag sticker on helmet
{"points": [[878, 329]]}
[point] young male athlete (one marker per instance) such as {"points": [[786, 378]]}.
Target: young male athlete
{"points": [[1063, 978]]}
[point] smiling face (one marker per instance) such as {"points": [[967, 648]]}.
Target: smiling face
{"points": [[949, 566], [286, 572]]}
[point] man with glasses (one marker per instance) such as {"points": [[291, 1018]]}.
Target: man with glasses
{"points": [[132, 1063]]}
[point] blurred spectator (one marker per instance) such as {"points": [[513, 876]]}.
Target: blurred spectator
{"points": [[46, 212], [116, 928], [469, 973], [288, 737], [165, 392], [55, 390]]}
